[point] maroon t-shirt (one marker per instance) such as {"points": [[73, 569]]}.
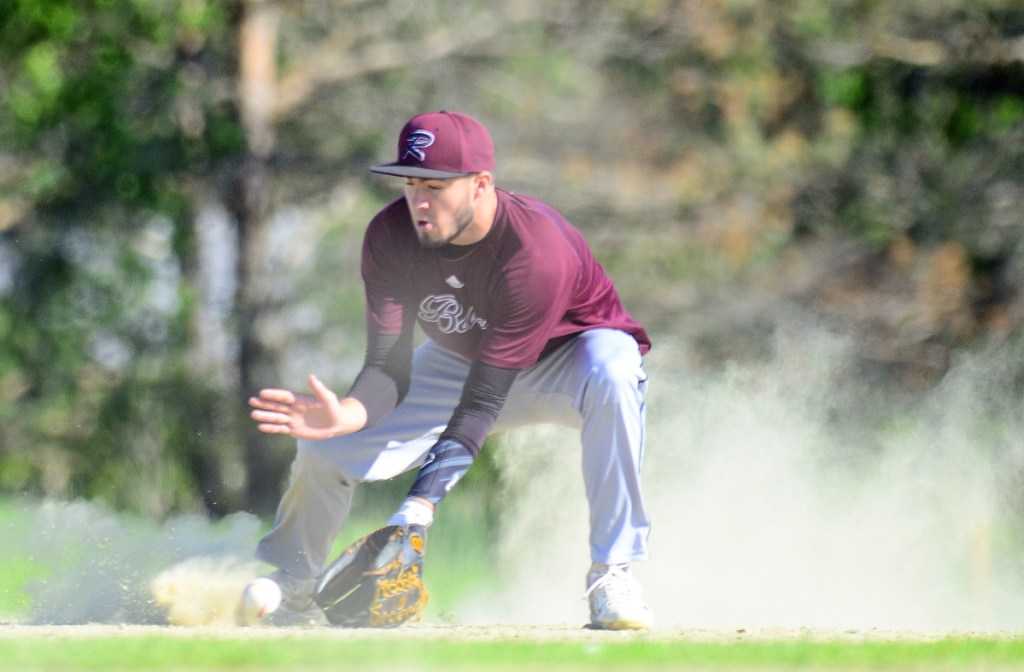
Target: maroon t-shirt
{"points": [[505, 301]]}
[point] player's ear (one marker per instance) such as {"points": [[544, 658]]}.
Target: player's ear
{"points": [[482, 181]]}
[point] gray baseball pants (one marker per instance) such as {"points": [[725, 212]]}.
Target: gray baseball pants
{"points": [[595, 383]]}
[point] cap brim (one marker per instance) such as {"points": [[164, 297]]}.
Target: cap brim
{"points": [[414, 171]]}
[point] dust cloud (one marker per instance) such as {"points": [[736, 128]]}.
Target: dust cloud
{"points": [[102, 567], [789, 492], [794, 492]]}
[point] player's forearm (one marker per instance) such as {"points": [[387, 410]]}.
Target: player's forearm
{"points": [[483, 397], [384, 379], [445, 465]]}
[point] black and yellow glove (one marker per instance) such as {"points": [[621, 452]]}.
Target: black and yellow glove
{"points": [[378, 581]]}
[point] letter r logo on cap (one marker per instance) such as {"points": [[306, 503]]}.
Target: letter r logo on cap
{"points": [[417, 141]]}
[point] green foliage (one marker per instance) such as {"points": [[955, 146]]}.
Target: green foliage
{"points": [[933, 143], [938, 123], [95, 330], [697, 141]]}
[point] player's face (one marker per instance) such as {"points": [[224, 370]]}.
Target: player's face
{"points": [[442, 210]]}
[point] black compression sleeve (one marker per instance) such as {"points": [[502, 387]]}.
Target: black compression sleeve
{"points": [[483, 397], [445, 465], [384, 380]]}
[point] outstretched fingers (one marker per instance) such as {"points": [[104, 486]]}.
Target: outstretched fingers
{"points": [[270, 421], [274, 428], [303, 416], [325, 394], [271, 407], [273, 395], [274, 410]]}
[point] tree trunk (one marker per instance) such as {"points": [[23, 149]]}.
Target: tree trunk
{"points": [[265, 463], [212, 423]]}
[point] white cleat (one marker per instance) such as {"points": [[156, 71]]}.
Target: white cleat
{"points": [[616, 599]]}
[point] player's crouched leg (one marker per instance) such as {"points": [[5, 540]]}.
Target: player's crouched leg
{"points": [[312, 509], [612, 408]]}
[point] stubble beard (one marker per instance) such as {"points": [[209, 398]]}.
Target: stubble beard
{"points": [[463, 218]]}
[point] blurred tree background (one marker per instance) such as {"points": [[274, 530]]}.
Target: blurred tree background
{"points": [[183, 190]]}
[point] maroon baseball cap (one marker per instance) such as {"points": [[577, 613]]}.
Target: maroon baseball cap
{"points": [[439, 145]]}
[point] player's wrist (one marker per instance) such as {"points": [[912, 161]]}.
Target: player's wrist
{"points": [[413, 511], [350, 417]]}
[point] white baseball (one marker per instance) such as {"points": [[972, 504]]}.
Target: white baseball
{"points": [[261, 598]]}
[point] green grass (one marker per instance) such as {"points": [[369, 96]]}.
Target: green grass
{"points": [[135, 549], [16, 567], [310, 652], [42, 569]]}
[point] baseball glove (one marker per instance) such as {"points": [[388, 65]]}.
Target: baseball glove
{"points": [[378, 581]]}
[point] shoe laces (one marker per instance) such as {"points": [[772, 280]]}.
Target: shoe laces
{"points": [[617, 583]]}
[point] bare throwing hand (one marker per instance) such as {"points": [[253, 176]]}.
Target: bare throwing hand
{"points": [[303, 416]]}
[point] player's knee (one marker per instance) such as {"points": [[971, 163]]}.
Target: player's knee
{"points": [[310, 453], [613, 379], [616, 372], [315, 460]]}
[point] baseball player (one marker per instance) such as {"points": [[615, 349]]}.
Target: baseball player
{"points": [[522, 326]]}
